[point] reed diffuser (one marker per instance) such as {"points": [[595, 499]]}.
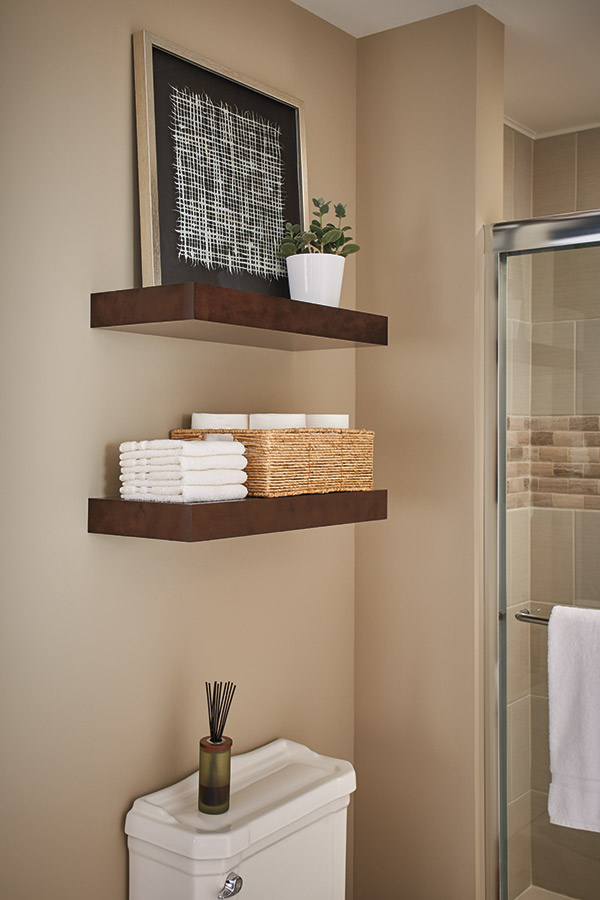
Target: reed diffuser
{"points": [[215, 751]]}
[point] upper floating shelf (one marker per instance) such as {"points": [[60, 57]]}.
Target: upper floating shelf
{"points": [[203, 312]]}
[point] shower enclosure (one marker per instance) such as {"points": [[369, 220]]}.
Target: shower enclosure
{"points": [[545, 275]]}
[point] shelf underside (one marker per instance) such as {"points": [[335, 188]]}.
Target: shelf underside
{"points": [[210, 313], [191, 522]]}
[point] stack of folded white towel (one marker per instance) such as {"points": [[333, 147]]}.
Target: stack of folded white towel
{"points": [[183, 471]]}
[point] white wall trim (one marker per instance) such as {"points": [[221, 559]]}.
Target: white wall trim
{"points": [[545, 134], [516, 126]]}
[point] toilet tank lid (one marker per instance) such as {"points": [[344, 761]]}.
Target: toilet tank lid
{"points": [[272, 788]]}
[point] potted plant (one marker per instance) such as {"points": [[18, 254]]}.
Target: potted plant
{"points": [[315, 258]]}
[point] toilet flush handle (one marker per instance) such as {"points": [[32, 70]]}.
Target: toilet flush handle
{"points": [[233, 885]]}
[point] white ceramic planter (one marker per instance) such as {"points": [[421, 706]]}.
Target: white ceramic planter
{"points": [[316, 277]]}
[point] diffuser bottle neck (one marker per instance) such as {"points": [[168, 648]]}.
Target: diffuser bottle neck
{"points": [[216, 746]]}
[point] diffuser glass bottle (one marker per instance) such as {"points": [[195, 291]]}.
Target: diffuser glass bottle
{"points": [[214, 777]]}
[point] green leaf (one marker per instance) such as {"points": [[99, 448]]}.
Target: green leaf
{"points": [[347, 249], [318, 202], [324, 208], [287, 248], [331, 236], [340, 210], [347, 228]]}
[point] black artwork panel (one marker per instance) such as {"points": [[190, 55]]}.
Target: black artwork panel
{"points": [[172, 71]]}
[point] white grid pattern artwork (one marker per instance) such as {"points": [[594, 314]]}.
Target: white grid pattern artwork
{"points": [[229, 186]]}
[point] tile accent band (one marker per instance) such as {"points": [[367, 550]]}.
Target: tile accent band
{"points": [[553, 461]]}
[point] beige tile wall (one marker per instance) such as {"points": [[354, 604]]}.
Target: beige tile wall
{"points": [[565, 352], [518, 702], [518, 369], [518, 462], [566, 174], [587, 560], [587, 365], [519, 275], [518, 531], [555, 175], [588, 170], [553, 368], [518, 179], [519, 845], [553, 462], [563, 860], [565, 570], [565, 284], [552, 557], [553, 380], [518, 175]]}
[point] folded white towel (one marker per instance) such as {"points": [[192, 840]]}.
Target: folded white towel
{"points": [[187, 464], [173, 480], [137, 465], [193, 494], [142, 475], [165, 444], [164, 449], [574, 700]]}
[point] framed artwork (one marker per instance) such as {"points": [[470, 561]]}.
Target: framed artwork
{"points": [[220, 163]]}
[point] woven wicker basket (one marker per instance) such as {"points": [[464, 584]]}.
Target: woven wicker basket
{"points": [[289, 461]]}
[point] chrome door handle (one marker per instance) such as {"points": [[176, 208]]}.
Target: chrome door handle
{"points": [[233, 885]]}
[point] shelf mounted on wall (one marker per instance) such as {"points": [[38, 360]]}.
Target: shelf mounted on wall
{"points": [[225, 315], [210, 313], [193, 522]]}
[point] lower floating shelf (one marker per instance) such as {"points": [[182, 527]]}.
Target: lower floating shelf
{"points": [[236, 518]]}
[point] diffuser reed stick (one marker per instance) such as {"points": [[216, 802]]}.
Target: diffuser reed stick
{"points": [[218, 698]]}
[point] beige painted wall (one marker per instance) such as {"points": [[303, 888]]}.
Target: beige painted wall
{"points": [[430, 112], [106, 641]]}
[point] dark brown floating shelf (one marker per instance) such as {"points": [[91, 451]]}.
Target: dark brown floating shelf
{"points": [[236, 518], [208, 313]]}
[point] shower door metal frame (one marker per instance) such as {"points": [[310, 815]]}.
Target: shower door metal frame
{"points": [[502, 241]]}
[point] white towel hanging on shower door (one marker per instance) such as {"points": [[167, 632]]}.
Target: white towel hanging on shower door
{"points": [[574, 702]]}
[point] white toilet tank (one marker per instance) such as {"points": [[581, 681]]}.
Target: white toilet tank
{"points": [[283, 838]]}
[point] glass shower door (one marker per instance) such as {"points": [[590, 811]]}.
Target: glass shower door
{"points": [[549, 521]]}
